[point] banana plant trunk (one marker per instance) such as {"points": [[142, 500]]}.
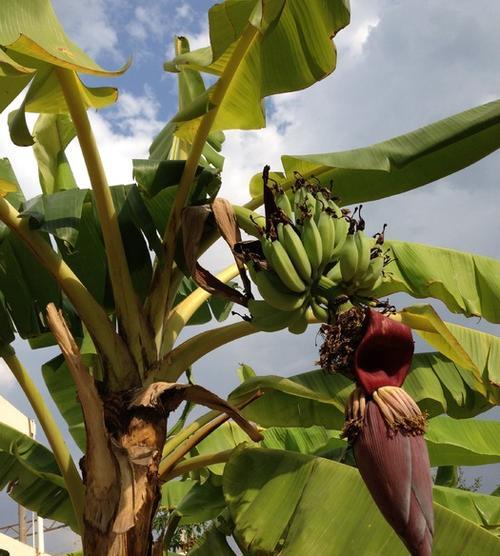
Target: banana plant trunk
{"points": [[121, 501]]}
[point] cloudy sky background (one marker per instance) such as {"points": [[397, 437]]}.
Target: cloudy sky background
{"points": [[401, 64]]}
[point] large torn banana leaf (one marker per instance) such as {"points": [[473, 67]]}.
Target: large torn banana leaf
{"points": [[318, 506], [289, 48], [405, 162], [464, 282], [34, 477]]}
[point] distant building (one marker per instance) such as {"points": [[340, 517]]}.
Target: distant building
{"points": [[26, 537]]}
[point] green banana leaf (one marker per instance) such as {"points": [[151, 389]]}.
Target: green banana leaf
{"points": [[484, 350], [8, 180], [33, 41], [303, 400], [44, 95], [52, 134], [315, 398], [405, 162], [463, 442], [165, 145], [440, 386], [428, 324], [481, 509], [462, 281], [26, 286], [292, 491], [291, 50], [173, 492], [475, 353], [32, 476], [62, 389], [57, 214], [211, 543], [203, 502]]}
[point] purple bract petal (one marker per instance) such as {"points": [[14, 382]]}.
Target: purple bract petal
{"points": [[383, 357], [395, 468]]}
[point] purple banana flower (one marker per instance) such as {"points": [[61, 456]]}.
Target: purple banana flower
{"points": [[385, 427]]}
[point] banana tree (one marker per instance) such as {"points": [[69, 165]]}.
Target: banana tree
{"points": [[111, 275]]}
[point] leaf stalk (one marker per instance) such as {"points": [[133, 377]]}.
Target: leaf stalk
{"points": [[54, 436]]}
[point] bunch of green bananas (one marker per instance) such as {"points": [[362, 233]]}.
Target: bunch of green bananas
{"points": [[312, 254]]}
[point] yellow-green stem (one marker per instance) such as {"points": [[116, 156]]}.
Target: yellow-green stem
{"points": [[159, 296], [177, 361], [128, 310], [111, 346], [172, 459], [72, 479], [181, 313], [178, 439], [196, 462]]}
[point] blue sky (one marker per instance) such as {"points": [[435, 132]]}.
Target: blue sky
{"points": [[401, 65]]}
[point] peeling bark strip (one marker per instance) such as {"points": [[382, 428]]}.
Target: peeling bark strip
{"points": [[102, 487], [193, 222]]}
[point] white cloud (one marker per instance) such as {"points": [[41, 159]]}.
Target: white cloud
{"points": [[184, 11], [122, 132], [88, 25]]}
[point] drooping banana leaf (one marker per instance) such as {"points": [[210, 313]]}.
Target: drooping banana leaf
{"points": [[318, 506], [166, 145], [315, 398], [428, 324], [33, 40], [57, 214], [203, 501], [8, 180], [63, 392], [463, 442], [405, 162], [280, 45], [484, 350], [475, 353], [52, 134], [26, 286], [33, 475], [212, 542], [481, 509], [462, 281]]}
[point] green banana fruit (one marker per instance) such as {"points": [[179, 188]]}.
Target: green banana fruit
{"points": [[320, 312], [312, 243], [326, 229], [341, 231], [250, 221], [281, 264], [369, 290], [267, 318], [272, 290], [371, 276], [310, 202], [283, 202], [349, 258], [364, 245], [334, 274], [296, 251], [298, 323]]}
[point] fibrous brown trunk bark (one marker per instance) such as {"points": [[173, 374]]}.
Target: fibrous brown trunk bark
{"points": [[118, 520]]}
